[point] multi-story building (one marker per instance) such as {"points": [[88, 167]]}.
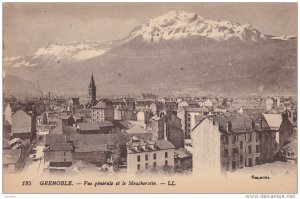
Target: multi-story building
{"points": [[190, 116], [233, 142], [102, 112], [225, 144], [146, 156], [169, 128]]}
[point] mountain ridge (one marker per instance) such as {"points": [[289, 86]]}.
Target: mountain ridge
{"points": [[193, 64]]}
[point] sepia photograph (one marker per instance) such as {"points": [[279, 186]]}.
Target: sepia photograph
{"points": [[150, 98]]}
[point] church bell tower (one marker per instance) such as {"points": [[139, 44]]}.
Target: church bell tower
{"points": [[92, 91]]}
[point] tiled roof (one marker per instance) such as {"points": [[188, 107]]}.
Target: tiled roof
{"points": [[92, 139], [240, 123], [55, 138], [88, 126], [90, 148], [11, 156], [59, 147], [164, 144]]}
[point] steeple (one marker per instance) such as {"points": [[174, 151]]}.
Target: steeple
{"points": [[92, 90], [92, 82]]}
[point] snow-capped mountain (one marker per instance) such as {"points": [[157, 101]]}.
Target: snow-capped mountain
{"points": [[76, 51], [180, 24], [178, 52], [66, 53]]}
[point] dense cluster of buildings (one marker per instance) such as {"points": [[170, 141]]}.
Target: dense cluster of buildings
{"points": [[149, 134]]}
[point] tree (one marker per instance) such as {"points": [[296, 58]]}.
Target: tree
{"points": [[120, 139]]}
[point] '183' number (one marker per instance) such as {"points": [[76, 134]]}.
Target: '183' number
{"points": [[26, 183]]}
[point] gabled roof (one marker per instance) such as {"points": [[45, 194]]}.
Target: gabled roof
{"points": [[21, 122], [59, 147], [200, 122], [273, 121], [164, 144], [11, 156], [240, 123]]}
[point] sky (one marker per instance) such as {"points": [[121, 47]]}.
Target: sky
{"points": [[28, 26]]}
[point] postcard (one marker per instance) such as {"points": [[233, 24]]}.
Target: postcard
{"points": [[149, 98]]}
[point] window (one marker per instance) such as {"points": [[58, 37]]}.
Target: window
{"points": [[226, 152], [241, 145], [235, 152], [249, 149], [241, 158], [146, 157], [250, 162], [146, 165], [64, 153], [138, 158], [235, 138], [258, 137], [154, 156], [166, 162], [154, 164], [250, 137], [166, 154], [257, 149], [138, 167]]}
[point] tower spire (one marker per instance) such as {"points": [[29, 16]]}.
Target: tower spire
{"points": [[92, 90]]}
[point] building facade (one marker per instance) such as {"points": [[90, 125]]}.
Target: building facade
{"points": [[102, 112], [149, 156], [226, 144]]}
